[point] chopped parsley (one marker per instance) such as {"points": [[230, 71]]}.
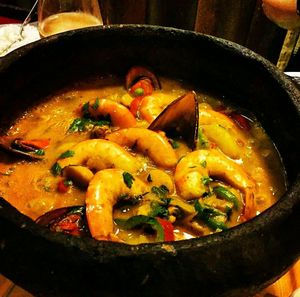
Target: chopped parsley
{"points": [[56, 169], [86, 110], [40, 152], [128, 179], [68, 183], [202, 140], [206, 180], [203, 163], [81, 124], [174, 144], [67, 154], [160, 191], [96, 104]]}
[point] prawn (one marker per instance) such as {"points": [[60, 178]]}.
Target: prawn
{"points": [[101, 154], [149, 143], [200, 164], [151, 106], [119, 114], [102, 194]]}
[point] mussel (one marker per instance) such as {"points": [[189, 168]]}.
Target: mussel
{"points": [[180, 119], [137, 73], [68, 220], [32, 149]]}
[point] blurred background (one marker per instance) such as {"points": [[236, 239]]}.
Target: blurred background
{"points": [[241, 21]]}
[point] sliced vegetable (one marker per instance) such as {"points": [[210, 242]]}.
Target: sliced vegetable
{"points": [[168, 229], [209, 216], [227, 195], [62, 187], [137, 221]]}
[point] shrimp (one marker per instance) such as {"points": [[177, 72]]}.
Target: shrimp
{"points": [[119, 114], [220, 129], [151, 106], [200, 164], [148, 142], [102, 194], [101, 154]]}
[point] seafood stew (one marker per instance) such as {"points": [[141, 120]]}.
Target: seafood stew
{"points": [[111, 166]]}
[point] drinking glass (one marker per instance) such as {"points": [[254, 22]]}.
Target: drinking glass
{"points": [[56, 16]]}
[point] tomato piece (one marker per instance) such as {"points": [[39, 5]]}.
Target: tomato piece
{"points": [[62, 187], [168, 229], [135, 105], [143, 87]]}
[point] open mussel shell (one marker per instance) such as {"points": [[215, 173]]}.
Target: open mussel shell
{"points": [[180, 119], [136, 73], [15, 146], [68, 220]]}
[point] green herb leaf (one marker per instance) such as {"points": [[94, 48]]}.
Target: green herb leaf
{"points": [[56, 169], [85, 110], [96, 104], [128, 179], [158, 210], [174, 144], [227, 195], [68, 183], [67, 154], [40, 152], [203, 164], [160, 191], [206, 180], [80, 124], [202, 140]]}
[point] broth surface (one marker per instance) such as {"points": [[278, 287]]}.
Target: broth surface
{"points": [[33, 189]]}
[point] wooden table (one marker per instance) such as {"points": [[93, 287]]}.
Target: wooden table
{"points": [[284, 287]]}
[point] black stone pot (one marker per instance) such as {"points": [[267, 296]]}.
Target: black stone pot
{"points": [[237, 262]]}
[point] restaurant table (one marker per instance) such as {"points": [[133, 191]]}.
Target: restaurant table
{"points": [[284, 287]]}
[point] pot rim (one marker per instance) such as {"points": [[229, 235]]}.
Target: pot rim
{"points": [[277, 212]]}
